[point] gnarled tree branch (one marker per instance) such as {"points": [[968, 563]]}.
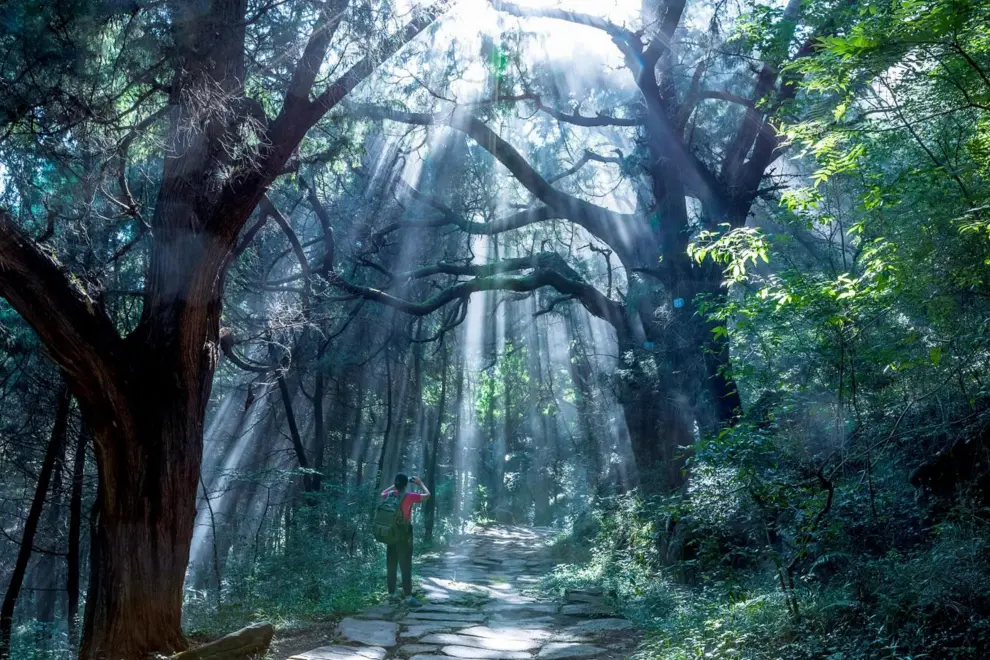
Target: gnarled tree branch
{"points": [[517, 220], [612, 29], [227, 346], [610, 227], [548, 270], [77, 335], [268, 208]]}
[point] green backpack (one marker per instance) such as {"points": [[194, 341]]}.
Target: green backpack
{"points": [[389, 526]]}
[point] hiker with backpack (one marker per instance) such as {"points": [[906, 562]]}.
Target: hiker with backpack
{"points": [[393, 527]]}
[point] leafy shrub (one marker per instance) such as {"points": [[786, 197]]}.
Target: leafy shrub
{"points": [[929, 601]]}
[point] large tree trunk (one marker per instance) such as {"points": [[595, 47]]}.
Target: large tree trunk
{"points": [[146, 510], [658, 418], [148, 427], [673, 381]]}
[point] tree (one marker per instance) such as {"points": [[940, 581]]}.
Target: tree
{"points": [[143, 392]]}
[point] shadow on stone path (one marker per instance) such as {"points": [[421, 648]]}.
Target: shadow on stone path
{"points": [[476, 607]]}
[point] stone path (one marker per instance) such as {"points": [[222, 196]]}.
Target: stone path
{"points": [[479, 605]]}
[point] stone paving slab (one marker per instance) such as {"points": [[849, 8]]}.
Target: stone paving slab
{"points": [[511, 597], [511, 617], [599, 625], [371, 633], [417, 631], [447, 609], [490, 643], [566, 650], [484, 654], [377, 612], [574, 638], [413, 649], [413, 617], [526, 620], [507, 633], [585, 609], [529, 607], [343, 653]]}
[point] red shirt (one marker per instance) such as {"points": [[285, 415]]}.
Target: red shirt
{"points": [[407, 502]]}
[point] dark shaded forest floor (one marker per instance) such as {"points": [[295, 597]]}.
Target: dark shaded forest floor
{"points": [[480, 601]]}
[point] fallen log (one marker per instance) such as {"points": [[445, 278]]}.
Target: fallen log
{"points": [[245, 643]]}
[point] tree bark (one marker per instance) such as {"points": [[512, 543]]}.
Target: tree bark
{"points": [[46, 568], [145, 512], [73, 559], [319, 428], [674, 381], [383, 457], [294, 435], [347, 448], [658, 418], [430, 510], [55, 445]]}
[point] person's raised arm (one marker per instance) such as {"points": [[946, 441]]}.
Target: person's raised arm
{"points": [[419, 482]]}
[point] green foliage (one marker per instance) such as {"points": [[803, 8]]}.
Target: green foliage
{"points": [[325, 563], [621, 557], [39, 640], [732, 249], [868, 322], [507, 381], [716, 619], [925, 602]]}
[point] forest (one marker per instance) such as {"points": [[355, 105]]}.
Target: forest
{"points": [[680, 309]]}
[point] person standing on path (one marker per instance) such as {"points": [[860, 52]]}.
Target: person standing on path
{"points": [[399, 554]]}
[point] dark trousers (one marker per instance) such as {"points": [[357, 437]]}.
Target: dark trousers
{"points": [[399, 555]]}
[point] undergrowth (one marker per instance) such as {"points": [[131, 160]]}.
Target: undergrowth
{"points": [[327, 566], [926, 602]]}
